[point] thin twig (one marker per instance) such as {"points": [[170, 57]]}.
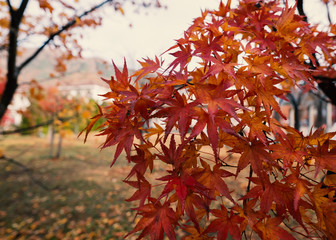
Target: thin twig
{"points": [[28, 171], [248, 185], [290, 228], [328, 13]]}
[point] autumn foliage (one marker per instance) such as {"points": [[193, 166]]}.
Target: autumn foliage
{"points": [[206, 118]]}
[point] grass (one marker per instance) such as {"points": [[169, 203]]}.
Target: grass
{"points": [[84, 197]]}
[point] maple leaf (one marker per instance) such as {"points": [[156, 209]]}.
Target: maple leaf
{"points": [[217, 66], [212, 123], [288, 22], [270, 230], [213, 179], [225, 224], [325, 210], [140, 102], [324, 158], [223, 9], [206, 45], [256, 122], [120, 82], [152, 131], [253, 152], [182, 185], [288, 151], [143, 160], [219, 97], [45, 5], [318, 136], [266, 93], [121, 134], [178, 110], [182, 57], [148, 66], [301, 187], [92, 123], [192, 202], [143, 192], [172, 155], [122, 77], [157, 219], [259, 64], [195, 234]]}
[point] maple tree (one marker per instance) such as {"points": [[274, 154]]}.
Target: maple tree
{"points": [[55, 23], [56, 111], [206, 119]]}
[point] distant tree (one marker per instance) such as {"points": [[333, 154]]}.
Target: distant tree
{"points": [[54, 21], [55, 111], [215, 100]]}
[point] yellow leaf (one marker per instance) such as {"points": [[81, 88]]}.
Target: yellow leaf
{"points": [[121, 10], [86, 114], [62, 221]]}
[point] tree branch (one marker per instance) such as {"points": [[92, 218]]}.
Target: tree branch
{"points": [[28, 171], [328, 13], [299, 6], [57, 33], [12, 70], [21, 9], [329, 90], [21, 130], [11, 10]]}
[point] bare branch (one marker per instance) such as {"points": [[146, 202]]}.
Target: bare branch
{"points": [[57, 33]]}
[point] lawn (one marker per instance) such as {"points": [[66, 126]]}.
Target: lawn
{"points": [[75, 197]]}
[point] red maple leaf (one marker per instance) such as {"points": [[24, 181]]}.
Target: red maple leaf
{"points": [[143, 192], [224, 224], [324, 158], [270, 229], [157, 219]]}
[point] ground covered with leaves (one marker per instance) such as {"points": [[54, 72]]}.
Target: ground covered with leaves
{"points": [[75, 197], [84, 198]]}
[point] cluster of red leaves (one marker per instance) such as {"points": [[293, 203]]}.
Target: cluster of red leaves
{"points": [[221, 91]]}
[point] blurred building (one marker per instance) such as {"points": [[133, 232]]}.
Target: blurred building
{"points": [[313, 111]]}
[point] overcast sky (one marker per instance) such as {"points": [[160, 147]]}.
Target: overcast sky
{"points": [[153, 31], [148, 32]]}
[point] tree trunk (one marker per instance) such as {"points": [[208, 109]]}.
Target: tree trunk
{"points": [[59, 147], [52, 137], [296, 103]]}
